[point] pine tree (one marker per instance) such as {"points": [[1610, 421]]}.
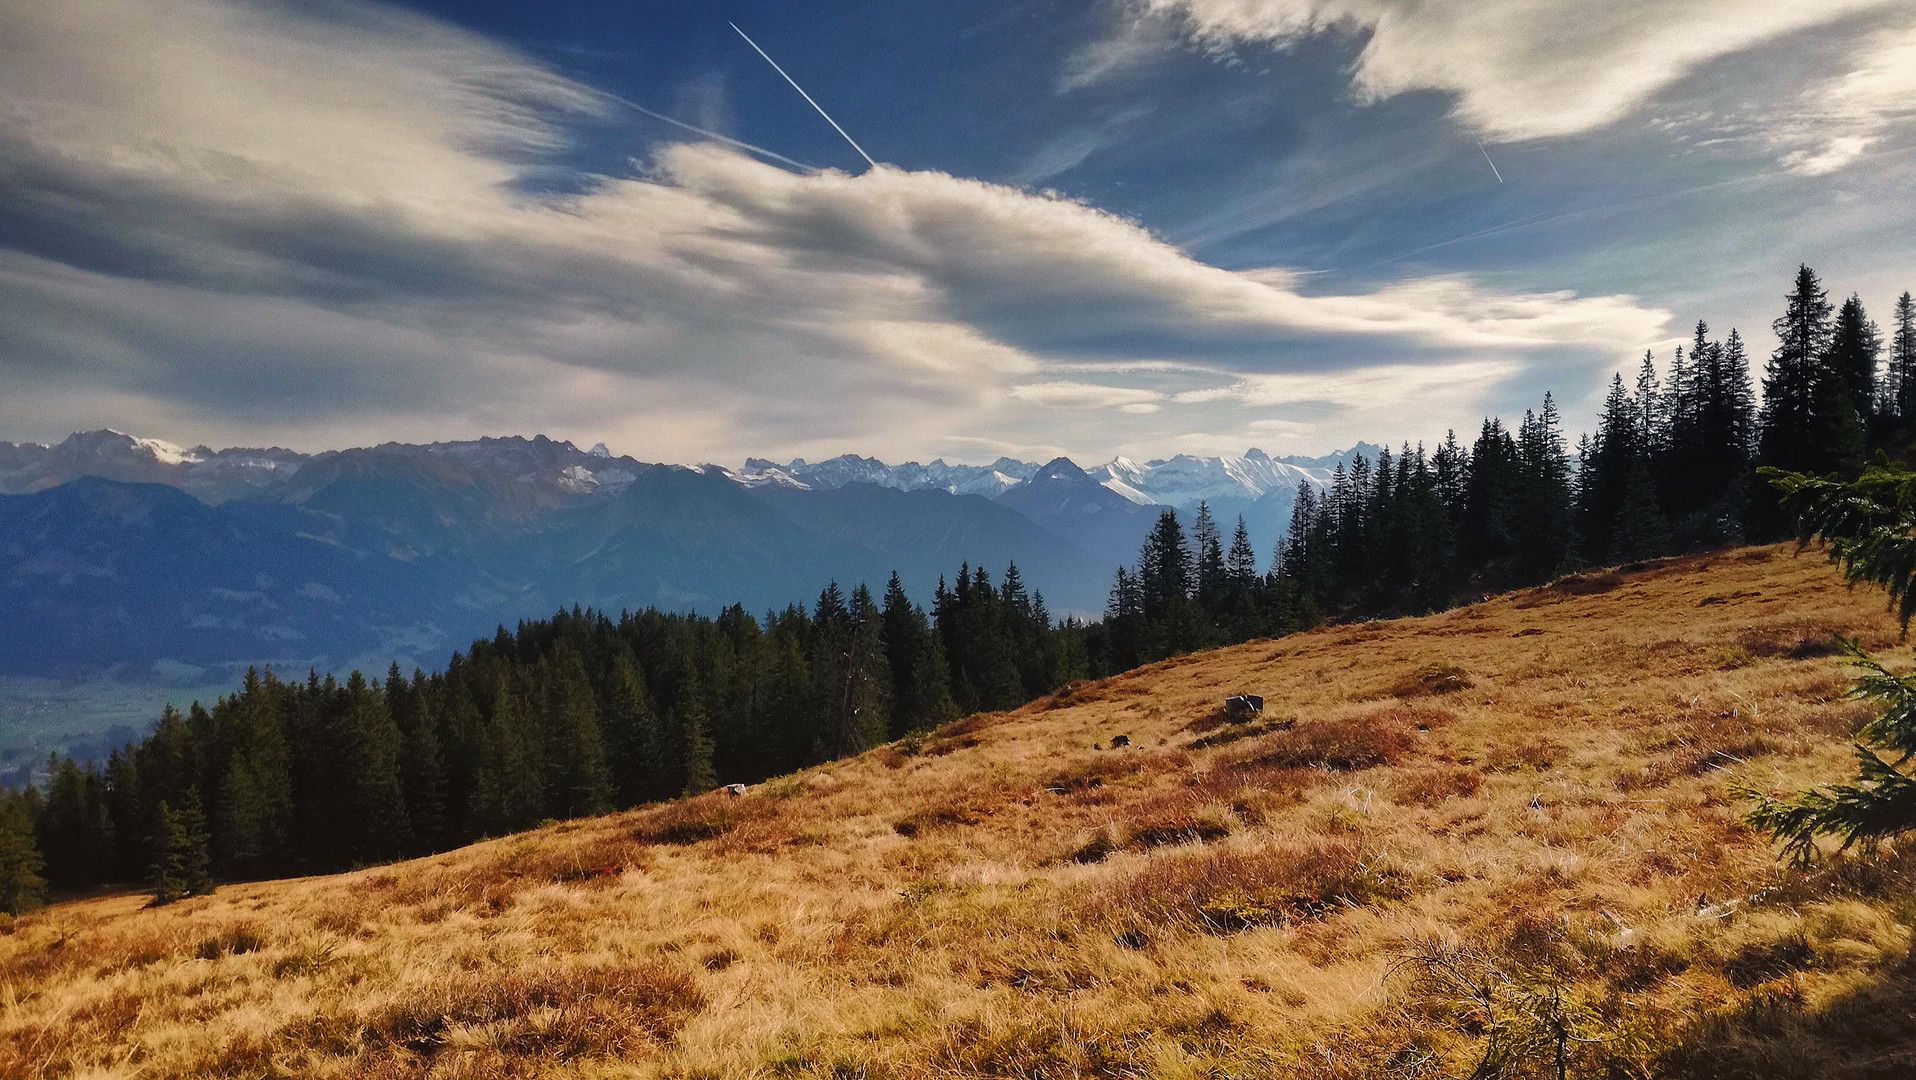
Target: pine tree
{"points": [[74, 829], [1855, 346], [506, 789], [1240, 562], [921, 694], [1795, 427], [182, 861], [422, 770], [692, 739], [1545, 503], [631, 732], [378, 814], [865, 707], [1902, 359], [21, 886], [1211, 582], [578, 782]]}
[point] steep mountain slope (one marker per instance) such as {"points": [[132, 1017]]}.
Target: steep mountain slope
{"points": [[1070, 503], [1513, 812], [95, 574]]}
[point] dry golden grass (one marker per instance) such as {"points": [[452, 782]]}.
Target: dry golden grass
{"points": [[1529, 791]]}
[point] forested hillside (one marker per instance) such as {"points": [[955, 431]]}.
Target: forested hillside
{"points": [[585, 712]]}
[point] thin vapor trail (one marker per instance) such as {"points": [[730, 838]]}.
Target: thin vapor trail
{"points": [[1487, 161], [806, 96], [713, 135]]}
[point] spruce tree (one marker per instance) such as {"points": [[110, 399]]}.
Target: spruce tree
{"points": [[378, 813], [182, 861], [21, 886], [1794, 429], [1870, 528], [506, 786], [1211, 580], [1855, 347], [75, 830], [1240, 562], [578, 782], [631, 732], [1902, 359], [921, 695]]}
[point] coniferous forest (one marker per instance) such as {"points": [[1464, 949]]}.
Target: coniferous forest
{"points": [[584, 712]]}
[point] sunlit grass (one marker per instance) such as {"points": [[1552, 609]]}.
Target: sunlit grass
{"points": [[1534, 786]]}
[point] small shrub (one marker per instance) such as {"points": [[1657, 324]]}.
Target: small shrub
{"points": [[1227, 891], [1431, 679], [1341, 745], [1431, 786], [700, 818]]}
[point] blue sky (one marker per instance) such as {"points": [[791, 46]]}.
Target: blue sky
{"points": [[1130, 227]]}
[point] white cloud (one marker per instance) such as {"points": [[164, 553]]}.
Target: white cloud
{"points": [[1520, 69], [1843, 118], [282, 226], [1077, 395]]}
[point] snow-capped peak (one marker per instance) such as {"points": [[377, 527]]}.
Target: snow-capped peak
{"points": [[599, 450]]}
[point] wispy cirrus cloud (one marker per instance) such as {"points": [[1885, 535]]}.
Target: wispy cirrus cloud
{"points": [[254, 222], [1527, 69]]}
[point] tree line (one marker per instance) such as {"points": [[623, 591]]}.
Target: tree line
{"points": [[584, 713], [1671, 467], [578, 714]]}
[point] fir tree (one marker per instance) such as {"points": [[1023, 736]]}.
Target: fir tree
{"points": [[1855, 346], [182, 862], [378, 813], [1211, 582], [1800, 427], [1902, 359], [1240, 562], [578, 782], [21, 886], [1870, 528]]}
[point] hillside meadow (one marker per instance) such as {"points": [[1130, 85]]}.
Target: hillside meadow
{"points": [[1491, 842]]}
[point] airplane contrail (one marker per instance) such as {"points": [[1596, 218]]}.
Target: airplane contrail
{"points": [[726, 139], [806, 96], [1487, 161]]}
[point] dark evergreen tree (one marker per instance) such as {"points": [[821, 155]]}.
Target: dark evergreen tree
{"points": [[1211, 583], [578, 781], [920, 682], [1902, 359], [182, 857], [1855, 348], [21, 886]]}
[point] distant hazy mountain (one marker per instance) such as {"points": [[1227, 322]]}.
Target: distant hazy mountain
{"points": [[1069, 502], [214, 476], [133, 556], [1256, 486], [835, 473]]}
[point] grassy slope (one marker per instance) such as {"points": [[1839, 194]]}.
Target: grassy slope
{"points": [[1007, 899]]}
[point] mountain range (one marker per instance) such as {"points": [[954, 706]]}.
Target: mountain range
{"points": [[138, 559]]}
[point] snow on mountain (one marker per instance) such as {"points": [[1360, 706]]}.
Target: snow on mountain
{"points": [[834, 473], [1185, 480]]}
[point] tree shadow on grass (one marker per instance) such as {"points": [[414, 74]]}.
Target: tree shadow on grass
{"points": [[1868, 1034]]}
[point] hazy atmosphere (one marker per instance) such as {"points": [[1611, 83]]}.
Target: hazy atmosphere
{"points": [[1118, 228]]}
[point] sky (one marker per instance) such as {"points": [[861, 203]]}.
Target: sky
{"points": [[1103, 227]]}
